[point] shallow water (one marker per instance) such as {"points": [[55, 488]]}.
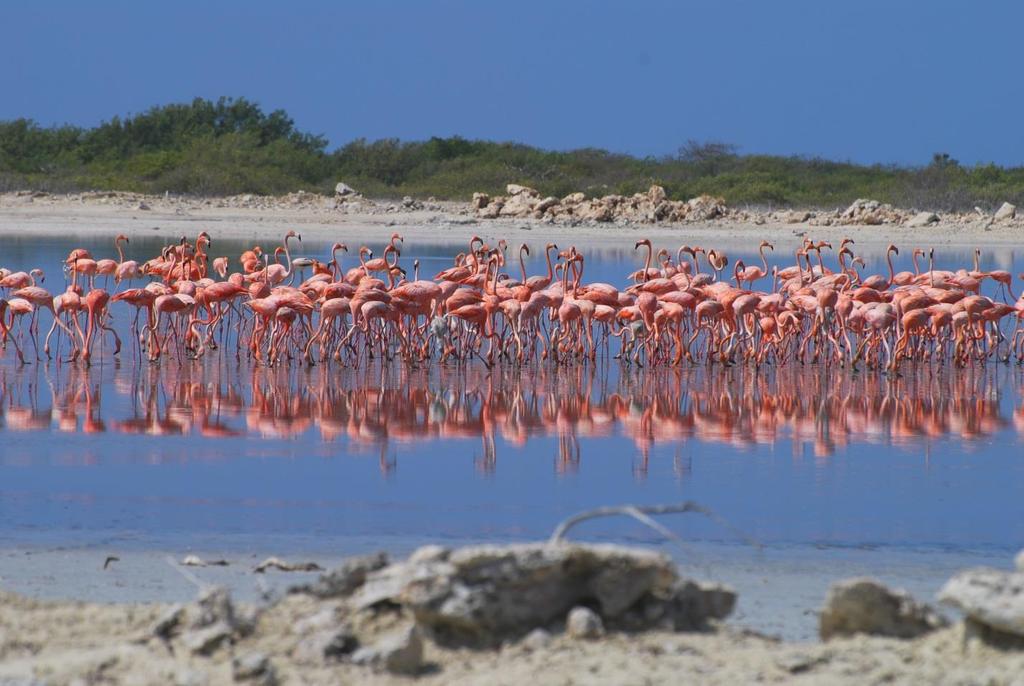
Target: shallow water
{"points": [[800, 455]]}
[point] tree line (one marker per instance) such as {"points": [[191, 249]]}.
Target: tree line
{"points": [[232, 146]]}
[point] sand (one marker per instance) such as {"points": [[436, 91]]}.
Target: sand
{"points": [[106, 215], [60, 642]]}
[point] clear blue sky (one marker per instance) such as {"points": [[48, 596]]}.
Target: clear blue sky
{"points": [[870, 81]]}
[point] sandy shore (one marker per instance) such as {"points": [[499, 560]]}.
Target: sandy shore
{"points": [[62, 642], [319, 220], [780, 587]]}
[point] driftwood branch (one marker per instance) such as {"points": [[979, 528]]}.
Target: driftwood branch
{"points": [[642, 513]]}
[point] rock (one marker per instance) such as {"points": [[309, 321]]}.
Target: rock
{"points": [[279, 564], [538, 639], [212, 607], [922, 219], [483, 595], [795, 217], [705, 207], [206, 641], [326, 618], [514, 189], [866, 606], [545, 204], [574, 198], [492, 211], [166, 625], [343, 189], [656, 194], [521, 204], [871, 212], [254, 667], [1006, 211], [691, 604], [990, 597], [480, 201], [399, 652], [344, 579], [430, 553], [142, 206], [326, 645], [583, 622]]}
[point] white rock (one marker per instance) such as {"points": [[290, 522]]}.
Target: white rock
{"points": [[538, 639], [583, 622], [990, 597], [400, 652], [343, 189], [1005, 211]]}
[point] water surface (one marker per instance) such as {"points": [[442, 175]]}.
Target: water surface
{"points": [[799, 455]]}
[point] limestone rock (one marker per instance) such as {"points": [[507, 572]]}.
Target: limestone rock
{"points": [[1006, 211], [691, 604], [326, 645], [583, 622], [492, 211], [705, 207], [871, 213], [214, 606], [922, 219], [480, 201], [656, 194], [990, 597], [514, 189], [254, 668], [574, 198], [485, 594], [399, 652], [168, 623], [344, 579], [538, 639], [545, 204], [343, 189], [207, 640], [866, 606]]}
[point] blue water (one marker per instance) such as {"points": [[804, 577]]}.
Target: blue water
{"points": [[801, 455]]}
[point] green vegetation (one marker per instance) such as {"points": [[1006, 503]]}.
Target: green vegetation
{"points": [[232, 146]]}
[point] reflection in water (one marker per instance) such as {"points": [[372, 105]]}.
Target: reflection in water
{"points": [[376, 410]]}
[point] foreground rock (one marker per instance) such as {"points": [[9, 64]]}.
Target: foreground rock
{"points": [[992, 600], [399, 652], [485, 595], [866, 606]]}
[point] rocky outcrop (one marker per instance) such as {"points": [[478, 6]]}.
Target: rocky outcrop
{"points": [[866, 606], [485, 595], [650, 207], [872, 213], [991, 599]]}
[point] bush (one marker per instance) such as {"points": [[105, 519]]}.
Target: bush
{"points": [[231, 146]]}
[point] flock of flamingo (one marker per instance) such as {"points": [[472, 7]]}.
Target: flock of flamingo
{"points": [[675, 308]]}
